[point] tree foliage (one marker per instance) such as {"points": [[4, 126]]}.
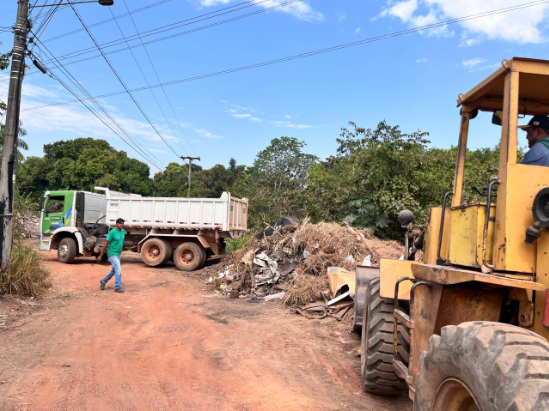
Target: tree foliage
{"points": [[374, 174], [82, 164]]}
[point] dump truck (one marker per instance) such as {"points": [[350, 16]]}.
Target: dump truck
{"points": [[186, 231], [466, 327]]}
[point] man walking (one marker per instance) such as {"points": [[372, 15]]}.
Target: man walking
{"points": [[114, 244]]}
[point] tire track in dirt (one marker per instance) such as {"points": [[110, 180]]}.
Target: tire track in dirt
{"points": [[164, 345]]}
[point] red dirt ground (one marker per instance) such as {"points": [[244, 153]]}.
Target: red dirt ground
{"points": [[167, 344]]}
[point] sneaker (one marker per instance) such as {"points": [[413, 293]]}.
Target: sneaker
{"points": [[119, 290], [102, 284]]}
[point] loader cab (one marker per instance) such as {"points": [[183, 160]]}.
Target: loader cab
{"points": [[490, 234]]}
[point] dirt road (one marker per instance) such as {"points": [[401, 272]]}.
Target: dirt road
{"points": [[166, 344]]}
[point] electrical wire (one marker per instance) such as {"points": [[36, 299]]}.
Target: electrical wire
{"points": [[159, 81], [319, 51], [131, 142], [162, 29], [135, 37], [122, 82], [99, 23], [146, 81]]}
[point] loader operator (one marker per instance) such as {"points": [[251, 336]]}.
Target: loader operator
{"points": [[537, 134]]}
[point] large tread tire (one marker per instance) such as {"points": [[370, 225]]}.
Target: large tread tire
{"points": [[169, 251], [503, 368], [204, 259], [188, 256], [66, 251], [154, 252], [377, 348]]}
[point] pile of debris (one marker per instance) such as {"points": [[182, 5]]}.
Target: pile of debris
{"points": [[292, 264], [26, 225]]}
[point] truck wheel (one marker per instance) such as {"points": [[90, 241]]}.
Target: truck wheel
{"points": [[204, 259], [66, 251], [484, 366], [154, 252], [188, 256], [377, 346], [169, 251]]}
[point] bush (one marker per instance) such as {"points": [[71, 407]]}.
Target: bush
{"points": [[26, 275], [235, 244]]}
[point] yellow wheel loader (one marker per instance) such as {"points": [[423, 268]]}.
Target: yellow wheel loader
{"points": [[465, 328]]}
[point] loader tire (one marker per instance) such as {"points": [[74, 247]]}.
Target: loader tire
{"points": [[377, 347], [154, 252], [188, 256], [484, 366], [66, 251]]}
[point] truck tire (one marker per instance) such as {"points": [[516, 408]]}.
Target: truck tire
{"points": [[169, 251], [188, 256], [204, 259], [377, 347], [154, 252], [66, 251], [484, 366]]}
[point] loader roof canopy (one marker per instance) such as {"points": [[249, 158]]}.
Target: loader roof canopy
{"points": [[533, 88]]}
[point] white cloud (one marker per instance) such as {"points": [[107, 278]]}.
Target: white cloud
{"points": [[478, 64], [289, 124], [423, 60], [357, 30], [237, 112], [155, 150], [472, 63], [246, 116], [341, 17], [288, 116], [301, 10], [520, 26], [404, 10], [207, 134]]}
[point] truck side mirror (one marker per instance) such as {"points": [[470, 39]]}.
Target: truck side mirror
{"points": [[497, 118], [42, 202]]}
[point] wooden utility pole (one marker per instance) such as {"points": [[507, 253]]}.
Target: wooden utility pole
{"points": [[11, 131], [189, 179]]}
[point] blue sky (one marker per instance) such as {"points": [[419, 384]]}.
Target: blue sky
{"points": [[412, 80]]}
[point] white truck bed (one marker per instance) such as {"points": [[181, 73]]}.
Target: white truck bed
{"points": [[225, 214]]}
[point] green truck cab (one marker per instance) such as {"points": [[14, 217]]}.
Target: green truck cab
{"points": [[67, 218]]}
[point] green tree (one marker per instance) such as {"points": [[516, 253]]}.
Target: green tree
{"points": [[276, 183], [82, 164]]}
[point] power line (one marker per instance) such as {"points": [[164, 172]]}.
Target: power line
{"points": [[131, 38], [167, 27], [134, 37], [120, 80], [159, 81], [146, 81], [143, 152], [318, 51], [99, 23]]}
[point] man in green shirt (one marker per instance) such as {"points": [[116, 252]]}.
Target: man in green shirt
{"points": [[114, 244]]}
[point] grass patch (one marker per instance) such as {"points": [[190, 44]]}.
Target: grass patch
{"points": [[26, 275], [235, 244]]}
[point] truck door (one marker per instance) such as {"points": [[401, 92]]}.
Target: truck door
{"points": [[56, 214]]}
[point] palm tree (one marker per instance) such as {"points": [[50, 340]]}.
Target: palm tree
{"points": [[21, 144]]}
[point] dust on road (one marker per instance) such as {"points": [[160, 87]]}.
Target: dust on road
{"points": [[166, 344]]}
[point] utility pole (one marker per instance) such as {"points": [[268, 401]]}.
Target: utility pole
{"points": [[189, 179], [11, 131]]}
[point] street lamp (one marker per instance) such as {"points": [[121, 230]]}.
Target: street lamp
{"points": [[101, 2]]}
